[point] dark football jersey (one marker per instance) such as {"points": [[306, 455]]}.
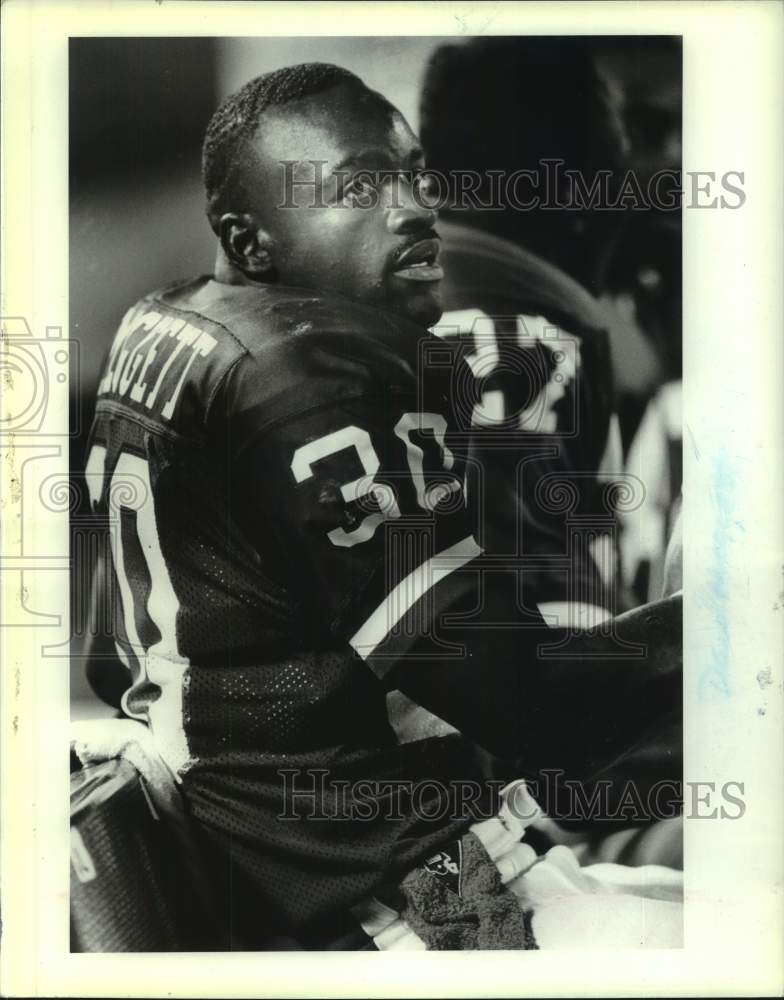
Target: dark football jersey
{"points": [[285, 501], [541, 412]]}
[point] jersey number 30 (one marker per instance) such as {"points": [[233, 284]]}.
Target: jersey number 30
{"points": [[428, 497]]}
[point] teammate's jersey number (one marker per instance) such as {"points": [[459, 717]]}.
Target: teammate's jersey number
{"points": [[431, 426], [485, 360]]}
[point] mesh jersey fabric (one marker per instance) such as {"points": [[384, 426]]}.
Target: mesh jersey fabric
{"points": [[275, 474]]}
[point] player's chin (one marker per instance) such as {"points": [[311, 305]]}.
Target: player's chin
{"points": [[419, 301]]}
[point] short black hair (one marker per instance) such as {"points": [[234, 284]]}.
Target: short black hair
{"points": [[506, 103], [239, 116]]}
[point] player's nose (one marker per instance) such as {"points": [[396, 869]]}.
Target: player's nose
{"points": [[409, 215]]}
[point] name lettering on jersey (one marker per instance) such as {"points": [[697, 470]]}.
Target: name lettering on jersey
{"points": [[167, 349]]}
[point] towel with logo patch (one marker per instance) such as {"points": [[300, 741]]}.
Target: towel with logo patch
{"points": [[457, 901]]}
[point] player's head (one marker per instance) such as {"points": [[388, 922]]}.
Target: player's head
{"points": [[290, 166], [507, 103]]}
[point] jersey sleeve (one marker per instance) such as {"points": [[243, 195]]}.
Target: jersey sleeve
{"points": [[583, 702], [357, 505]]}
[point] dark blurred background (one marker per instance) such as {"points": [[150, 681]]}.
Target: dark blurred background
{"points": [[138, 108]]}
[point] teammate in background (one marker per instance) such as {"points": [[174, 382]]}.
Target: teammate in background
{"points": [[533, 335], [523, 265], [293, 542]]}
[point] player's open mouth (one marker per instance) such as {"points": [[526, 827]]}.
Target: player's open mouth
{"points": [[420, 262]]}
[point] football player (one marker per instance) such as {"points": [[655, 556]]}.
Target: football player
{"points": [[290, 539], [533, 334]]}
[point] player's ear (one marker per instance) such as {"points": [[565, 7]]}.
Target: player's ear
{"points": [[246, 245]]}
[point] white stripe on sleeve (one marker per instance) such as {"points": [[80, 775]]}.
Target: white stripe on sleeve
{"points": [[409, 590]]}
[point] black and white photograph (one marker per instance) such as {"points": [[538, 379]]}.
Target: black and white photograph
{"points": [[384, 611], [375, 497]]}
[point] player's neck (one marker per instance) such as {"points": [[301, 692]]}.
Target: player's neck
{"points": [[227, 273]]}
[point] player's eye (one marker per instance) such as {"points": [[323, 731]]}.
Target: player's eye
{"points": [[361, 185], [424, 184]]}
